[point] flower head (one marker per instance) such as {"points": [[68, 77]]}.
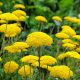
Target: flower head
{"points": [[61, 71], [19, 6], [37, 39], [40, 19], [10, 67], [25, 71], [57, 18]]}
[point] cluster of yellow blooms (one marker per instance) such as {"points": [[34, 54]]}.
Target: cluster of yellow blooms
{"points": [[67, 34], [37, 39], [19, 6], [61, 71], [72, 19], [69, 54], [17, 47], [10, 30]]}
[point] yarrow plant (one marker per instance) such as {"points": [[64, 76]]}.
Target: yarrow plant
{"points": [[37, 48]]}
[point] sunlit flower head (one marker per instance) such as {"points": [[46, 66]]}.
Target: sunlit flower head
{"points": [[61, 71], [19, 6], [40, 19], [10, 67], [29, 59], [8, 16], [17, 47], [62, 35], [37, 39], [25, 71], [57, 18]]}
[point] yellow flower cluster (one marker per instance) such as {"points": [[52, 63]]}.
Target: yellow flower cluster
{"points": [[77, 37], [69, 54], [72, 19], [20, 14], [29, 59], [61, 71], [25, 71], [37, 39], [17, 47], [62, 35], [19, 6], [10, 30], [10, 67], [40, 19], [57, 18], [45, 61], [8, 16]]}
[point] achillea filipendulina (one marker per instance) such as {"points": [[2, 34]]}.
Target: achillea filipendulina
{"points": [[19, 13], [40, 19], [29, 59], [25, 71], [61, 71], [69, 45], [62, 35], [8, 17], [57, 18], [68, 30], [19, 6], [37, 39], [10, 67], [17, 47], [10, 30]]}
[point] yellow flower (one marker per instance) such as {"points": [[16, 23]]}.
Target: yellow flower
{"points": [[0, 59], [29, 59], [37, 39], [19, 6], [40, 19], [10, 67], [62, 56], [69, 41], [61, 71], [25, 71], [61, 35], [57, 18], [19, 13], [10, 30], [73, 54], [77, 37], [69, 45], [17, 47], [1, 3], [72, 19], [47, 60], [8, 17], [68, 30]]}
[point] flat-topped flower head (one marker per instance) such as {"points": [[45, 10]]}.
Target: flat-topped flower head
{"points": [[62, 35], [62, 71], [40, 19], [29, 59], [10, 30], [25, 71], [57, 18], [19, 13], [77, 37], [8, 17], [19, 6], [17, 47], [37, 39], [10, 67]]}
